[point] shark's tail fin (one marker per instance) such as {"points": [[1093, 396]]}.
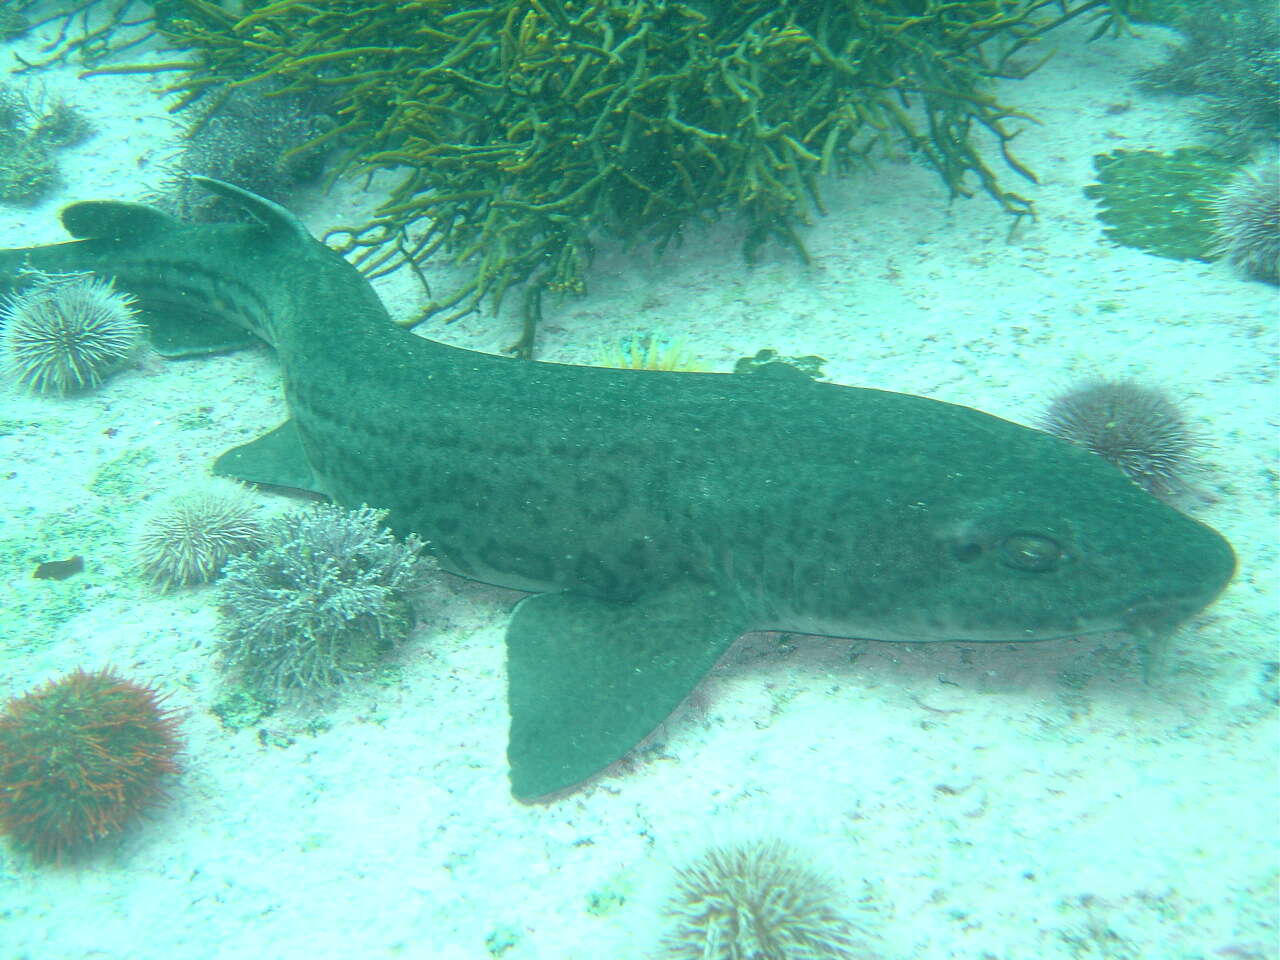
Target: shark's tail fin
{"points": [[273, 216], [114, 220], [119, 220], [170, 266]]}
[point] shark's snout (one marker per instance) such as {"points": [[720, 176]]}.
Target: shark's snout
{"points": [[1196, 585]]}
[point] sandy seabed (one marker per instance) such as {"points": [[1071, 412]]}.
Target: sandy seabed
{"points": [[1002, 802]]}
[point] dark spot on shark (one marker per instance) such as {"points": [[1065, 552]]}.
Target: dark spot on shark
{"points": [[604, 496], [590, 573]]}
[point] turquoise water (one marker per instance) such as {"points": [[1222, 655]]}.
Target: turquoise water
{"points": [[960, 800]]}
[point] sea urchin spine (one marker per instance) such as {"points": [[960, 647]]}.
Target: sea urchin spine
{"points": [[68, 333], [756, 901], [81, 758], [189, 537], [1247, 222]]}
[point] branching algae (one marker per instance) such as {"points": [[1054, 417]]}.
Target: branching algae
{"points": [[524, 131]]}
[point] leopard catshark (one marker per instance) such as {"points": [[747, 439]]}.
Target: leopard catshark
{"points": [[656, 516]]}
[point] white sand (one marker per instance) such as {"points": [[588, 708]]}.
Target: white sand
{"points": [[993, 802]]}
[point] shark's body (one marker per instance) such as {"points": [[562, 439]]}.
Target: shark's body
{"points": [[656, 515]]}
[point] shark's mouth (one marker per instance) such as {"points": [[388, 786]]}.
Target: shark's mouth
{"points": [[1158, 616]]}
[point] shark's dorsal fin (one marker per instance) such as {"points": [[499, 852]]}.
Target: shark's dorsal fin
{"points": [[114, 220], [270, 214]]}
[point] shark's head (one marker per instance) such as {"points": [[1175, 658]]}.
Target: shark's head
{"points": [[1093, 554], [1002, 533], [1046, 540]]}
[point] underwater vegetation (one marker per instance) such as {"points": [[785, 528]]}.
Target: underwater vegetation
{"points": [[524, 131], [1192, 203], [1246, 218], [188, 538], [1230, 57], [68, 332], [81, 759], [1160, 202], [1196, 202], [320, 603], [88, 30], [246, 141], [1135, 427], [32, 128], [646, 351], [760, 901]]}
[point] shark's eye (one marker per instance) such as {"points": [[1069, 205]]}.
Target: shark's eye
{"points": [[1030, 551]]}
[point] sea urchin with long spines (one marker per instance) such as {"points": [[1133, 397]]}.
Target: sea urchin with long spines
{"points": [[187, 538], [68, 332], [1135, 427], [1247, 222], [82, 758]]}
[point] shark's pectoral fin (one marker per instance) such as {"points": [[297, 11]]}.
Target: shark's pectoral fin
{"points": [[181, 335], [275, 459], [589, 679]]}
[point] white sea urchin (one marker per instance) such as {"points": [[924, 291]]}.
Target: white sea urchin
{"points": [[68, 332], [756, 902], [187, 538]]}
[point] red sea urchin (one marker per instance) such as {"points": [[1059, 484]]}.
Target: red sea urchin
{"points": [[81, 758]]}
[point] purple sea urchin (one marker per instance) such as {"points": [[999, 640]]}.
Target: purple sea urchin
{"points": [[755, 902], [187, 538], [1247, 222], [1137, 428], [68, 333]]}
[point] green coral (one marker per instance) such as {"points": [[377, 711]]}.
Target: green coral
{"points": [[13, 23], [88, 30], [525, 131], [1160, 202]]}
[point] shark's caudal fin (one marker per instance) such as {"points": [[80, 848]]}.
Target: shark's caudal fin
{"points": [[118, 220], [270, 214], [115, 220], [181, 328], [177, 327], [588, 679]]}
